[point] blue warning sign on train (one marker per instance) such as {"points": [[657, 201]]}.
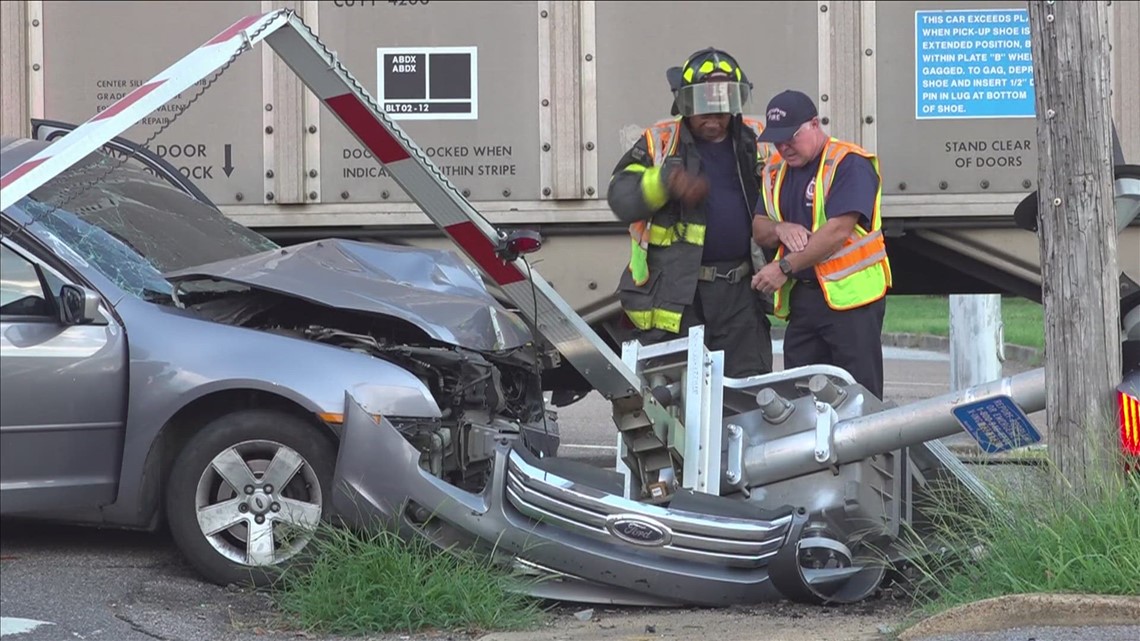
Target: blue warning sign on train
{"points": [[973, 64]]}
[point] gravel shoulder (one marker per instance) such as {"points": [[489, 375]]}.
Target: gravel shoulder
{"points": [[869, 621], [1005, 614]]}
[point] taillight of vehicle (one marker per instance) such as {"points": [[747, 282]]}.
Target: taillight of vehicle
{"points": [[1129, 407]]}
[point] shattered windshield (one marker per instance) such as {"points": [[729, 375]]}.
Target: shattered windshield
{"points": [[133, 226]]}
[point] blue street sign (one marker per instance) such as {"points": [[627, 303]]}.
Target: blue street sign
{"points": [[973, 64], [997, 424]]}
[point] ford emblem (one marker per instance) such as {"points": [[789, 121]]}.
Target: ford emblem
{"points": [[638, 530]]}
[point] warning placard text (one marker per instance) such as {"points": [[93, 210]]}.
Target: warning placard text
{"points": [[428, 83], [973, 64]]}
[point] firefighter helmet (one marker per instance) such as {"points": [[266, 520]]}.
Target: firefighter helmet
{"points": [[709, 82]]}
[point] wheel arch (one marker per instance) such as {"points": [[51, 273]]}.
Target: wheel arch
{"points": [[191, 417]]}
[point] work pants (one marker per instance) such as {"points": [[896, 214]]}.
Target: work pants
{"points": [[851, 339], [735, 322]]}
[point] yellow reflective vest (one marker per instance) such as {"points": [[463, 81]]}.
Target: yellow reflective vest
{"points": [[858, 273]]}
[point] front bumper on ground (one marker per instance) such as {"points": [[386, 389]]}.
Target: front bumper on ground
{"points": [[563, 528]]}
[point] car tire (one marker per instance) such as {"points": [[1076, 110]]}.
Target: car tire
{"points": [[220, 491]]}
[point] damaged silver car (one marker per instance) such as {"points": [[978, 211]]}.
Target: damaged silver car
{"points": [[163, 364]]}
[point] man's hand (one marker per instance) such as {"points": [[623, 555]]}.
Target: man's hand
{"points": [[769, 278], [688, 188], [794, 236]]}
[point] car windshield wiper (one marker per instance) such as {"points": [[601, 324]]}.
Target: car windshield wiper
{"points": [[155, 296]]}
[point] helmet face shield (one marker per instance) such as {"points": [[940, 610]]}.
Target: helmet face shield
{"points": [[720, 97]]}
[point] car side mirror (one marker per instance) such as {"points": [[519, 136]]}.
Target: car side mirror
{"points": [[78, 305]]}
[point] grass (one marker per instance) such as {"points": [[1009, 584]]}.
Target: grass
{"points": [[1052, 540], [370, 583], [1023, 319]]}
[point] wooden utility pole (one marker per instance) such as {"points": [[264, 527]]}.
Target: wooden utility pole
{"points": [[14, 69], [1080, 276]]}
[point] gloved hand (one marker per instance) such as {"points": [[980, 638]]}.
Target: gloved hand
{"points": [[687, 187]]}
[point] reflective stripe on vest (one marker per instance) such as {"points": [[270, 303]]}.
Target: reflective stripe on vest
{"points": [[661, 142], [859, 272], [643, 234], [662, 138]]}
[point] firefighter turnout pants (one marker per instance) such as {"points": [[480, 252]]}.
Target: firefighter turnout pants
{"points": [[735, 321]]}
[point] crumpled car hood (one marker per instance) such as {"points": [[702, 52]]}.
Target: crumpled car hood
{"points": [[435, 290]]}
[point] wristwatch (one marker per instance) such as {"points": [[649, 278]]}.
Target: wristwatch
{"points": [[785, 267]]}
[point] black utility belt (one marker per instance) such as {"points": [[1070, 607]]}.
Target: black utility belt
{"points": [[709, 273]]}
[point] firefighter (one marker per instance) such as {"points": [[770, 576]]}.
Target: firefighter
{"points": [[688, 188], [831, 273]]}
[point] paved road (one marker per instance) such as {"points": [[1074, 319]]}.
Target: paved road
{"points": [[78, 583], [75, 583]]}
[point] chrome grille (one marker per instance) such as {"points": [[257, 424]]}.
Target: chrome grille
{"points": [[732, 542]]}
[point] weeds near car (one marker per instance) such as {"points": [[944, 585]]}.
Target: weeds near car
{"points": [[1041, 538], [376, 582]]}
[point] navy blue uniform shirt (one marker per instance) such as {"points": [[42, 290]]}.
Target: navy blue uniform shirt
{"points": [[852, 190], [728, 225]]}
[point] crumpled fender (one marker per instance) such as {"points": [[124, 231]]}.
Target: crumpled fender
{"points": [[377, 472]]}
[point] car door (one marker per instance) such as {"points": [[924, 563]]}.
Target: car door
{"points": [[63, 406]]}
